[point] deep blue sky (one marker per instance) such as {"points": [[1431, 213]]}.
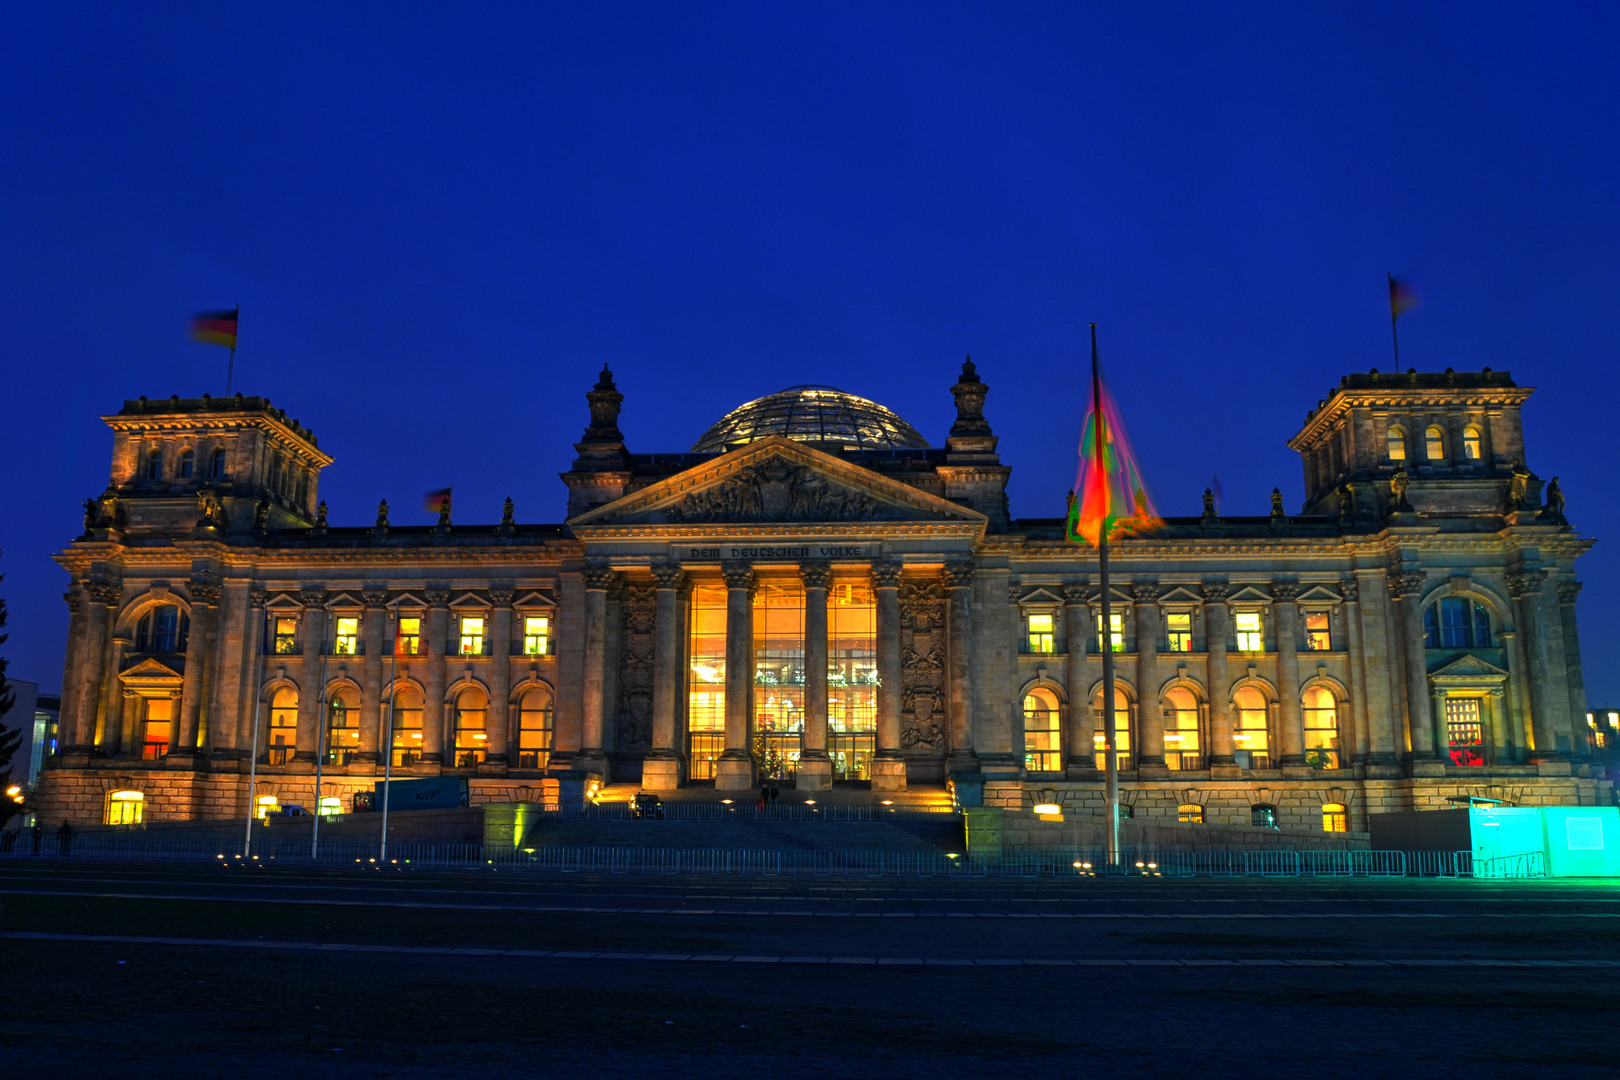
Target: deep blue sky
{"points": [[440, 220]]}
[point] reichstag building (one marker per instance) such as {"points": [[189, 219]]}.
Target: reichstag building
{"points": [[818, 595]]}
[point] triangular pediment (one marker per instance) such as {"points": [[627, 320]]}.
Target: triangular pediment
{"points": [[1319, 594], [151, 672], [773, 482], [469, 600], [1470, 668], [343, 601], [1248, 594], [1041, 595], [534, 600], [1180, 594]]}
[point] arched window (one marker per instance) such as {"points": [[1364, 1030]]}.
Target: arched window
{"points": [[1190, 813], [275, 474], [472, 713], [163, 629], [1122, 729], [188, 464], [1251, 740], [1263, 816], [1434, 443], [343, 725], [216, 465], [1471, 443], [1321, 728], [282, 737], [157, 725], [1335, 818], [1457, 622], [1396, 441], [407, 748], [154, 465], [1182, 747], [125, 808], [534, 729], [1043, 752]]}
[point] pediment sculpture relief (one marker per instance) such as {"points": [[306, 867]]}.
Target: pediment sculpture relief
{"points": [[779, 491]]}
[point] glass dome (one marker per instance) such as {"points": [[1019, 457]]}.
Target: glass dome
{"points": [[818, 415]]}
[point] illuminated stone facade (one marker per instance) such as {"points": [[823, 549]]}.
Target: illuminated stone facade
{"points": [[818, 597]]}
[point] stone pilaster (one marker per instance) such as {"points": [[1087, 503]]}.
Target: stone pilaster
{"points": [[1291, 721], [90, 728], [185, 735], [888, 767], [815, 767], [312, 642], [499, 735], [1217, 627], [70, 667], [592, 758], [436, 638], [959, 585], [1382, 701], [1568, 591], [1548, 703], [371, 679], [1406, 587], [661, 770], [734, 771], [1082, 747], [1149, 713], [229, 687], [1353, 749]]}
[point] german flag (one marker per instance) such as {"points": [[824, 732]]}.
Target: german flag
{"points": [[216, 328]]}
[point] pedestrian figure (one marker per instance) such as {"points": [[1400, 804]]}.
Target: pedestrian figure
{"points": [[775, 793], [38, 833], [64, 838]]}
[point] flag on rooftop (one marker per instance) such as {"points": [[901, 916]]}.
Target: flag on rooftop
{"points": [[1402, 297], [1109, 497], [215, 328], [434, 500]]}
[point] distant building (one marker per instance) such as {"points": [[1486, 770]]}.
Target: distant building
{"points": [[818, 595], [36, 715]]}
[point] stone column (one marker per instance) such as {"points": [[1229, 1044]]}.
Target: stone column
{"points": [[1382, 708], [1406, 586], [1357, 720], [1568, 591], [1549, 729], [71, 691], [1516, 718], [734, 771], [1500, 728], [815, 766], [1291, 721], [90, 729], [1217, 625], [1082, 756], [1437, 706], [599, 578], [231, 657], [661, 769], [371, 679], [436, 636], [110, 731], [123, 731], [888, 767], [252, 709], [959, 583], [1150, 714], [184, 740], [498, 735], [311, 642]]}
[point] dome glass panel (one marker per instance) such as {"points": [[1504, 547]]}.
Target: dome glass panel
{"points": [[819, 415]]}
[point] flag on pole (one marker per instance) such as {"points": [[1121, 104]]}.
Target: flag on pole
{"points": [[215, 328], [434, 500], [1402, 297], [1110, 497]]}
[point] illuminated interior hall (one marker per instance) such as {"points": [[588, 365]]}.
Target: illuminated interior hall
{"points": [[819, 596]]}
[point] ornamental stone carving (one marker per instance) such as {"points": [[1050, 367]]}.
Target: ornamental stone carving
{"points": [[637, 643], [374, 595], [779, 491], [739, 576], [210, 511], [1216, 592], [1568, 591], [437, 597], [922, 667], [382, 514], [668, 576], [1285, 591], [258, 597], [501, 595], [312, 597], [204, 592], [958, 575], [598, 577], [72, 598], [922, 606], [1407, 582], [103, 592], [1076, 592], [1351, 588], [1146, 592], [1526, 582], [816, 575], [885, 575]]}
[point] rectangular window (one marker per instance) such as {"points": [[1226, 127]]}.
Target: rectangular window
{"points": [[286, 636], [1041, 637], [408, 641], [778, 677], [1180, 625], [1122, 736], [1465, 731], [159, 721], [851, 679], [706, 680], [1317, 636], [534, 730], [347, 640], [536, 635], [1249, 635], [1116, 624], [472, 636]]}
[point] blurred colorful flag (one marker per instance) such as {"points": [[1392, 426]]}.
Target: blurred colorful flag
{"points": [[434, 500], [1402, 297], [1109, 499], [215, 328]]}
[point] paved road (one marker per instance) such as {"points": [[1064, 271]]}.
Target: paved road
{"points": [[850, 977]]}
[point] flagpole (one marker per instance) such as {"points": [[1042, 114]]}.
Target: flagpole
{"points": [[321, 722], [1098, 434], [1393, 316], [253, 754], [230, 365], [388, 759]]}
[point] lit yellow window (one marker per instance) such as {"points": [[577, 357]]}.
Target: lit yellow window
{"points": [[1317, 637], [125, 807], [267, 805], [1180, 626], [536, 635], [1250, 638], [331, 804], [1116, 624], [1041, 637], [472, 636], [1471, 443], [286, 636], [408, 642], [1397, 444], [1335, 818], [1190, 814], [1434, 443], [347, 639]]}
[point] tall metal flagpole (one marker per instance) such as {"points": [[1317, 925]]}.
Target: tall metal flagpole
{"points": [[1394, 315], [1107, 636], [320, 749], [230, 365], [388, 750], [253, 753]]}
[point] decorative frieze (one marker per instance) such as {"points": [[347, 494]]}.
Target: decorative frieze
{"points": [[637, 645], [922, 666]]}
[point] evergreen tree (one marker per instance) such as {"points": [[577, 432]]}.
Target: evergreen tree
{"points": [[10, 741]]}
